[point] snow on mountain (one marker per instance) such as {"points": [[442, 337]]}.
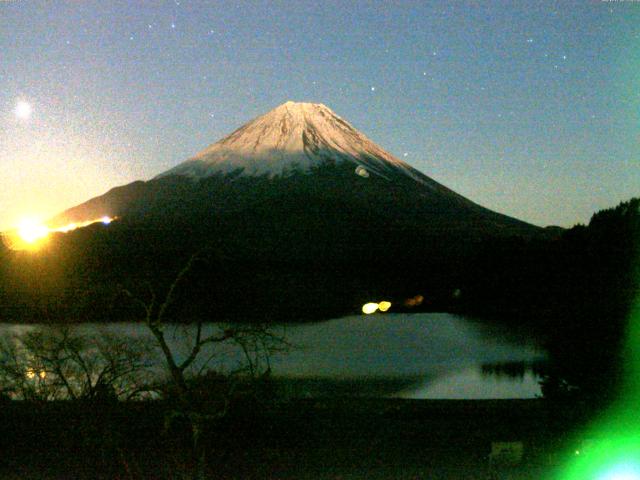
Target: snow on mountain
{"points": [[294, 136]]}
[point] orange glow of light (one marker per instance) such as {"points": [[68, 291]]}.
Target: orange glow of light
{"points": [[31, 230], [106, 220], [31, 233], [67, 228], [414, 301]]}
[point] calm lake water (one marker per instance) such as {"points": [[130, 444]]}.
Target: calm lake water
{"points": [[434, 355]]}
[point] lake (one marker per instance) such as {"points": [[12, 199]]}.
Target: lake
{"points": [[429, 356]]}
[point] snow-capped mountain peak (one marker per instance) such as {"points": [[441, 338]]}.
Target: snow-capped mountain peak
{"points": [[293, 136]]}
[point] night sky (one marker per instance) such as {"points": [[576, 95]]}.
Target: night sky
{"points": [[528, 108]]}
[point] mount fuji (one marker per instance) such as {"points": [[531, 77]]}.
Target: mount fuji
{"points": [[288, 160]]}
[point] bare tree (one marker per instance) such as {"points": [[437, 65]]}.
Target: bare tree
{"points": [[56, 363], [256, 343]]}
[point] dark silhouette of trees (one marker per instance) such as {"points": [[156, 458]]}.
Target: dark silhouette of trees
{"points": [[574, 291]]}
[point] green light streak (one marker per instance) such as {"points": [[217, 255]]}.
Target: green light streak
{"points": [[615, 450]]}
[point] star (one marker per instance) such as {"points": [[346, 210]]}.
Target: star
{"points": [[173, 25], [373, 89], [529, 40]]}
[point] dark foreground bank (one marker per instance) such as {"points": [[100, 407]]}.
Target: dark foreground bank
{"points": [[302, 439]]}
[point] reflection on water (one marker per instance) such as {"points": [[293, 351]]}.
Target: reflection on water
{"points": [[473, 383], [517, 370], [432, 355]]}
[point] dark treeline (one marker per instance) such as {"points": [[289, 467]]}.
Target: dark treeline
{"points": [[575, 292]]}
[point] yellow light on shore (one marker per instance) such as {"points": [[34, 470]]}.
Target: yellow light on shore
{"points": [[369, 308], [384, 306]]}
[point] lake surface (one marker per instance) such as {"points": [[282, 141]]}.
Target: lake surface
{"points": [[434, 355]]}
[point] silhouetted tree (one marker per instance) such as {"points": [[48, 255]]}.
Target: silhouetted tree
{"points": [[257, 342]]}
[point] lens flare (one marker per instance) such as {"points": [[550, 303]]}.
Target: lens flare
{"points": [[625, 471], [615, 455]]}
